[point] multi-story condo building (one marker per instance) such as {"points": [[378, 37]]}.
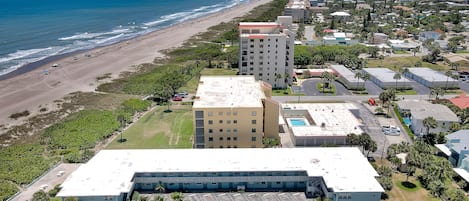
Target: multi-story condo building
{"points": [[233, 112], [266, 51], [340, 174], [299, 10]]}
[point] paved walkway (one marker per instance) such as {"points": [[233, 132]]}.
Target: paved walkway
{"points": [[49, 181]]}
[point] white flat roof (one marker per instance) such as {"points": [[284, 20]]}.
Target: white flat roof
{"points": [[384, 75], [430, 75], [338, 119], [463, 173], [228, 92], [345, 72], [110, 172]]}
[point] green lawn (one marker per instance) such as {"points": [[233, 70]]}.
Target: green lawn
{"points": [[406, 92], [400, 62], [284, 92], [219, 71], [158, 129], [330, 90]]}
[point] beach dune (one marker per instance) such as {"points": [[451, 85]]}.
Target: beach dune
{"points": [[78, 72]]}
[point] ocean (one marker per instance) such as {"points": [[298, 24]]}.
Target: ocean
{"points": [[33, 30]]}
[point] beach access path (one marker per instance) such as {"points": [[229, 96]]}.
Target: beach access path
{"points": [[78, 72]]}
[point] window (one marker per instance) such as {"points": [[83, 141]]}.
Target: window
{"points": [[253, 121], [228, 121], [235, 146], [221, 146], [210, 122], [220, 121], [261, 40], [221, 138], [221, 130], [220, 113], [235, 138], [228, 138], [228, 113], [228, 130], [253, 139], [210, 130], [235, 121], [210, 139], [235, 113], [253, 113], [210, 114], [235, 130]]}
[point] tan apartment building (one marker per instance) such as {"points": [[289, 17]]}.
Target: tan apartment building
{"points": [[233, 112], [266, 51]]}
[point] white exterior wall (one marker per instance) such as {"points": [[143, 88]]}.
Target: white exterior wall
{"points": [[267, 50], [418, 128]]}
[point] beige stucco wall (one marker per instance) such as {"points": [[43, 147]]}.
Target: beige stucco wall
{"points": [[232, 127], [271, 113]]}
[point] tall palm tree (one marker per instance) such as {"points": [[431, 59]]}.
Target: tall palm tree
{"points": [[278, 76], [325, 76], [397, 77], [429, 123], [365, 77], [358, 75], [448, 75], [121, 120]]}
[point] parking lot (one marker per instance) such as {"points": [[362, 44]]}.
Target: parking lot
{"points": [[310, 89], [246, 196]]}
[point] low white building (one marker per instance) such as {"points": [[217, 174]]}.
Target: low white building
{"points": [[419, 110], [340, 174], [431, 78], [384, 78], [318, 124], [347, 77]]}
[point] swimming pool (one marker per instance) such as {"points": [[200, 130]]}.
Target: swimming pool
{"points": [[297, 122], [407, 121]]}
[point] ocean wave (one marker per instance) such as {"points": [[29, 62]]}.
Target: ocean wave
{"points": [[22, 54], [217, 9], [87, 35], [109, 39]]}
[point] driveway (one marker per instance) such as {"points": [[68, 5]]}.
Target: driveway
{"points": [[309, 88], [372, 88], [464, 86], [420, 89]]}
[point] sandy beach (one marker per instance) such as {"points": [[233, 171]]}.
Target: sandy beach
{"points": [[78, 72]]}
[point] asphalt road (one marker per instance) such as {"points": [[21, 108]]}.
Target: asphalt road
{"points": [[309, 88]]}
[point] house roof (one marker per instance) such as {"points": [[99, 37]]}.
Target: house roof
{"points": [[422, 109], [340, 13], [458, 140], [462, 101]]}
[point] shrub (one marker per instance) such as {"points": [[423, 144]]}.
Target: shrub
{"points": [[20, 114]]}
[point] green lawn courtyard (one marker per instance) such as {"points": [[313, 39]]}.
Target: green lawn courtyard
{"points": [[159, 130]]}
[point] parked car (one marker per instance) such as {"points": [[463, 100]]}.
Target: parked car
{"points": [[177, 98], [181, 94]]}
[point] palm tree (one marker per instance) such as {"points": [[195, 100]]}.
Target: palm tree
{"points": [[325, 76], [448, 75], [397, 77], [429, 123], [121, 120], [160, 187], [278, 76], [358, 75], [365, 77], [415, 50], [437, 92]]}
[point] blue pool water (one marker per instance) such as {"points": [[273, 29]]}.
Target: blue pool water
{"points": [[407, 121], [297, 122]]}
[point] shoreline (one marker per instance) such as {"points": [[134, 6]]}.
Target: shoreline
{"points": [[27, 88], [54, 58]]}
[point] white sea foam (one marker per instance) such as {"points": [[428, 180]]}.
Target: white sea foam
{"points": [[109, 39], [22, 54], [87, 35]]}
